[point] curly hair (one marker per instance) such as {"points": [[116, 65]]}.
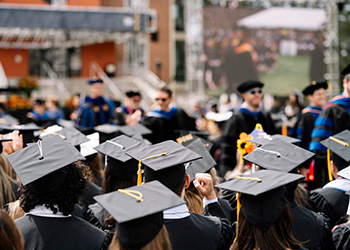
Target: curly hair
{"points": [[64, 198]]}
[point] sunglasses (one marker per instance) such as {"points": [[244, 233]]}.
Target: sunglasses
{"points": [[161, 99], [252, 91]]}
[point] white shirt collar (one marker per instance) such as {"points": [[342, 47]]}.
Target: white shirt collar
{"points": [[177, 212], [41, 210]]}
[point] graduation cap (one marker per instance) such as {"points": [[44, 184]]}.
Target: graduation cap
{"points": [[279, 155], [309, 90], [164, 162], [72, 135], [186, 139], [262, 195], [346, 70], [263, 140], [135, 129], [250, 84], [107, 128], [202, 165], [8, 120], [42, 164], [138, 211], [339, 145], [95, 80], [119, 163], [219, 117], [26, 130], [139, 137]]}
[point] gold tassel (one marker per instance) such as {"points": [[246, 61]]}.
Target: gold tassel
{"points": [[238, 195], [140, 171], [330, 176]]}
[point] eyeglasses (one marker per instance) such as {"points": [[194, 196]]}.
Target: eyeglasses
{"points": [[252, 91], [161, 99]]}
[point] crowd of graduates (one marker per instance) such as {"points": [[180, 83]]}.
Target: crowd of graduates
{"points": [[117, 177]]}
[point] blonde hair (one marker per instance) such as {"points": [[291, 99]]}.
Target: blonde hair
{"points": [[6, 191], [6, 166], [15, 211], [160, 242], [193, 200]]}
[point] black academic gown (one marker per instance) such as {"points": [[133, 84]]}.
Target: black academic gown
{"points": [[165, 129], [311, 229], [341, 237], [87, 197], [201, 232], [238, 123], [332, 202], [59, 233]]}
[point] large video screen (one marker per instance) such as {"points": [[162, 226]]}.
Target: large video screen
{"points": [[282, 47]]}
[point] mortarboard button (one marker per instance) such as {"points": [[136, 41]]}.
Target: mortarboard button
{"points": [[40, 159], [279, 155]]}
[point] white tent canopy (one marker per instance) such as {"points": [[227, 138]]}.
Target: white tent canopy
{"points": [[286, 18]]}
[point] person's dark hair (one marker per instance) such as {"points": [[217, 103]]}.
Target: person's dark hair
{"points": [[179, 189], [278, 236], [347, 77], [64, 198], [166, 90], [10, 236], [111, 182], [95, 164]]}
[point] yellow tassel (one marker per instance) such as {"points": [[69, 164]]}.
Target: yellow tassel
{"points": [[249, 178], [330, 176], [238, 195], [339, 141], [284, 129], [140, 171], [133, 193]]}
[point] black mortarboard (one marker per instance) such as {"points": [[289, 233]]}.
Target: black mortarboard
{"points": [[119, 163], [134, 129], [139, 137], [71, 134], [279, 155], [26, 130], [186, 139], [250, 84], [339, 145], [202, 165], [263, 140], [132, 93], [263, 195], [309, 90], [138, 211], [8, 120], [346, 70], [107, 131], [95, 80], [164, 162], [107, 128], [45, 158]]}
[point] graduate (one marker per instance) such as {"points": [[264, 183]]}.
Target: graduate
{"points": [[335, 117], [166, 118], [138, 211], [265, 221], [310, 228], [244, 120], [316, 94], [165, 162], [331, 199], [53, 180], [96, 109], [120, 171]]}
